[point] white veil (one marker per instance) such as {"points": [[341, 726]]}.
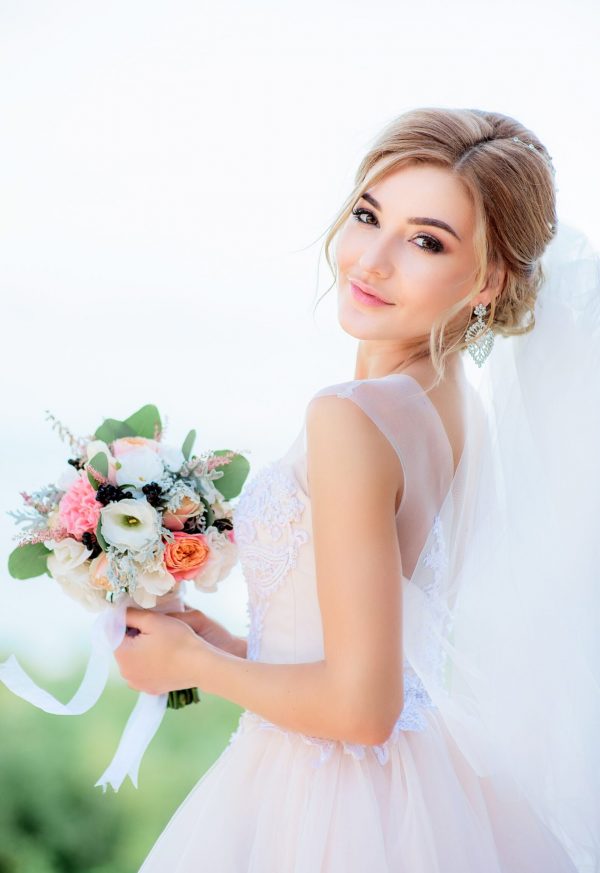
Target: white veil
{"points": [[502, 612]]}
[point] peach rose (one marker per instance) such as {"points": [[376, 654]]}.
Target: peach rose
{"points": [[188, 508], [186, 555], [99, 572], [126, 444]]}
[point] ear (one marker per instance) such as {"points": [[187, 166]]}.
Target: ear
{"points": [[493, 286]]}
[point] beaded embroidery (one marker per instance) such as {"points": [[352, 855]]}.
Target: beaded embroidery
{"points": [[270, 501], [416, 698]]}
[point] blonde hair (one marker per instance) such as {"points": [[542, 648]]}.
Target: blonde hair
{"points": [[512, 189]]}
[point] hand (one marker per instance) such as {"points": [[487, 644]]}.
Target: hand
{"points": [[164, 656], [211, 631]]}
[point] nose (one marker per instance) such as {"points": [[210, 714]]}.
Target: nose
{"points": [[376, 258]]}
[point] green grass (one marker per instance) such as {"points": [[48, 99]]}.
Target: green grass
{"points": [[53, 819]]}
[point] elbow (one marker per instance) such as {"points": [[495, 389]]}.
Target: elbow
{"points": [[372, 725], [375, 731]]}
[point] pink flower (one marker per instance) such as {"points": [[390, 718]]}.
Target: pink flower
{"points": [[78, 509]]}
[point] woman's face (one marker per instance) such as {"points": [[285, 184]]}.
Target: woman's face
{"points": [[389, 247]]}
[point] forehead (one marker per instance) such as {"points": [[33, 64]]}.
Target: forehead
{"points": [[426, 189]]}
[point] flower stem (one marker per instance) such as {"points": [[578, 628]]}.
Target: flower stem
{"points": [[183, 697]]}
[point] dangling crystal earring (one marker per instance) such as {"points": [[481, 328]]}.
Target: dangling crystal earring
{"points": [[483, 338]]}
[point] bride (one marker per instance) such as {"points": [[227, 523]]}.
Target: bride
{"points": [[420, 678]]}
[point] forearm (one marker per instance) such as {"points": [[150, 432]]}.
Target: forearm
{"points": [[305, 697]]}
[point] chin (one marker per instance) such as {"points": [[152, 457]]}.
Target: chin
{"points": [[357, 324]]}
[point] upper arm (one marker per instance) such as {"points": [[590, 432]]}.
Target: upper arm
{"points": [[352, 477]]}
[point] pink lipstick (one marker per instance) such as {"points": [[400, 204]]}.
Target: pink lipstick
{"points": [[363, 296]]}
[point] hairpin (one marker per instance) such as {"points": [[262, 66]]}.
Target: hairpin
{"points": [[532, 148], [548, 160]]}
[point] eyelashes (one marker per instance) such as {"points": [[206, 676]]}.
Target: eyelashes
{"points": [[436, 245]]}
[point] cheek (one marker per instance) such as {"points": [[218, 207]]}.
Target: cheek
{"points": [[347, 248]]}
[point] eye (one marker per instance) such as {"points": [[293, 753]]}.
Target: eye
{"points": [[435, 247], [360, 211]]}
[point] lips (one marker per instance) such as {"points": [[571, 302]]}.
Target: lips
{"points": [[368, 290]]}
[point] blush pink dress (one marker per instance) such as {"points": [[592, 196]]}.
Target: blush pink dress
{"points": [[277, 801]]}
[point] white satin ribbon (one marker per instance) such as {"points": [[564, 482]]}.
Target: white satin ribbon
{"points": [[108, 632]]}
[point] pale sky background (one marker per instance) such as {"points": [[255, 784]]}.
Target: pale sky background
{"points": [[167, 175]]}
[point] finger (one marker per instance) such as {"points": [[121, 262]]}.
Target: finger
{"points": [[193, 620], [182, 616], [142, 619]]}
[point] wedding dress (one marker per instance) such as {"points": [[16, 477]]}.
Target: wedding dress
{"points": [[278, 801]]}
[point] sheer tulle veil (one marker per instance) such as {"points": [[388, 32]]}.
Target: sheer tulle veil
{"points": [[501, 615]]}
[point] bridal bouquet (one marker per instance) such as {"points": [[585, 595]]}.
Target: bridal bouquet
{"points": [[127, 522], [132, 515]]}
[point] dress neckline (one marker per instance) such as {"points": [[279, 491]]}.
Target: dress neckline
{"points": [[428, 400]]}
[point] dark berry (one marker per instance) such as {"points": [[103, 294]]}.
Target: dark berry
{"points": [[108, 493], [76, 462], [222, 524], [194, 525], [90, 542], [105, 493], [153, 493]]}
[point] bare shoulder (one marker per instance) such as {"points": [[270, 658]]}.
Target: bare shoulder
{"points": [[341, 437]]}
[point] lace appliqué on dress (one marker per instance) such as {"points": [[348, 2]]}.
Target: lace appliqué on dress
{"points": [[436, 558], [269, 501], [416, 698]]}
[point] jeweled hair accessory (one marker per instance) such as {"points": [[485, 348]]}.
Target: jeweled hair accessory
{"points": [[547, 159], [533, 148]]}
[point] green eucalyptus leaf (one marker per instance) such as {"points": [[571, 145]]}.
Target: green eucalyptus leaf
{"points": [[111, 429], [209, 515], [144, 421], [234, 475], [100, 463], [101, 541], [28, 560], [188, 444]]}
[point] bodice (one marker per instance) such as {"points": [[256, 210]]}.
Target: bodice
{"points": [[273, 530]]}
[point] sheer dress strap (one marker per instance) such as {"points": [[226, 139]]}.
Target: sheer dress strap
{"points": [[408, 419]]}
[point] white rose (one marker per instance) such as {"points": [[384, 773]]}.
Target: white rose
{"points": [[223, 557], [152, 584], [68, 554], [130, 524], [171, 457], [139, 467], [69, 566]]}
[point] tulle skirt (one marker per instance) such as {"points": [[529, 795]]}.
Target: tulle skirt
{"points": [[273, 803]]}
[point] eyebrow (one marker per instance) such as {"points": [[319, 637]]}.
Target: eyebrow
{"points": [[433, 222]]}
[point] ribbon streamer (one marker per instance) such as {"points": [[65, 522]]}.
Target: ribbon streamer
{"points": [[108, 632]]}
